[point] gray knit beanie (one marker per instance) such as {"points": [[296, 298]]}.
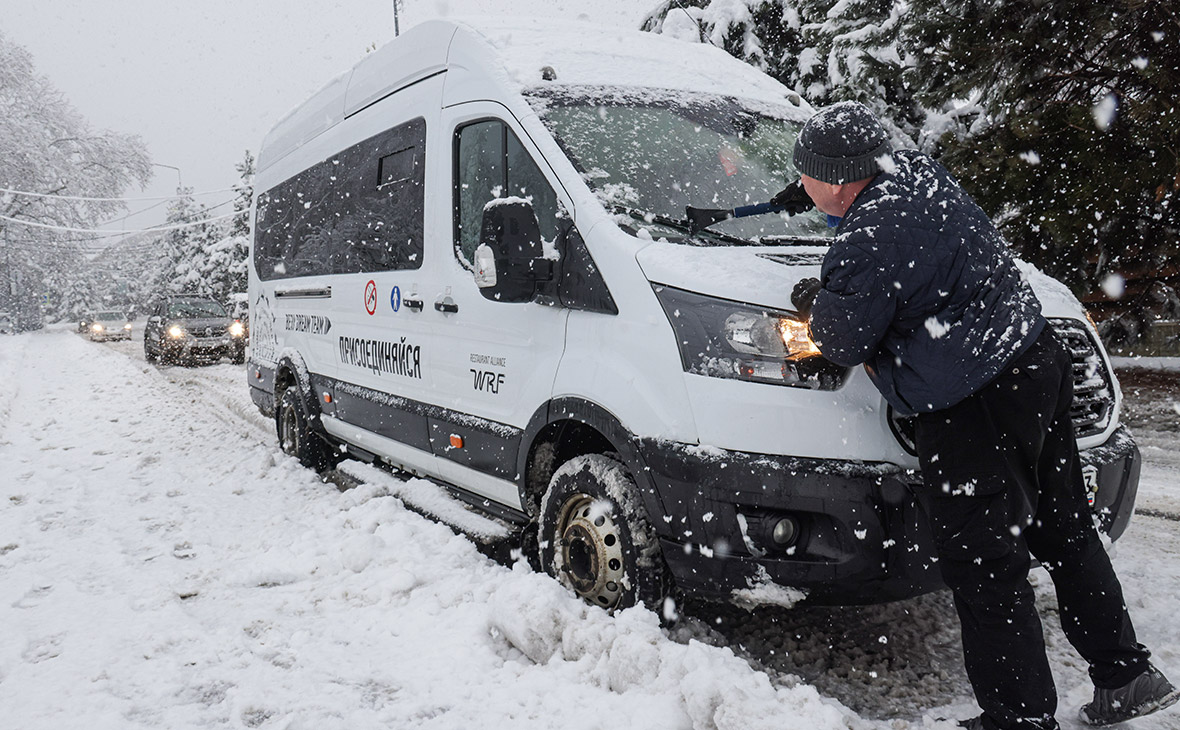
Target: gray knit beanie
{"points": [[841, 144]]}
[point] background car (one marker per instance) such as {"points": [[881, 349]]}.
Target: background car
{"points": [[239, 310], [192, 328], [108, 325]]}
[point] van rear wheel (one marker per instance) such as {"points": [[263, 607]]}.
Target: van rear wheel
{"points": [[595, 537], [296, 438]]}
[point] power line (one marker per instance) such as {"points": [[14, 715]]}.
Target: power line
{"points": [[132, 214], [102, 233], [113, 200]]}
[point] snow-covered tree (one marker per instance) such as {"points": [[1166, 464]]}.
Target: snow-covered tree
{"points": [[47, 148], [208, 258], [1071, 136], [825, 50], [187, 248], [240, 225], [225, 270]]}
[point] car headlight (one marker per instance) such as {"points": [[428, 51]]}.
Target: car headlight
{"points": [[127, 326], [236, 329], [725, 339], [176, 331], [96, 327]]}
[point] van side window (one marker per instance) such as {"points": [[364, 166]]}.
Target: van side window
{"points": [[359, 211], [491, 163]]}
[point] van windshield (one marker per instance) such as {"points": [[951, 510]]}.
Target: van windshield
{"points": [[647, 154]]}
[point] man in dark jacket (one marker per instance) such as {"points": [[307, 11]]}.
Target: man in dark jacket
{"points": [[919, 287]]}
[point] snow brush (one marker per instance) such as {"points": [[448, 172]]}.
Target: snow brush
{"points": [[792, 199]]}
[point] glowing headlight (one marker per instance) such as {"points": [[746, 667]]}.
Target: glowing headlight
{"points": [[721, 338], [753, 333], [763, 333], [127, 326], [175, 331], [96, 327], [236, 329], [796, 338]]}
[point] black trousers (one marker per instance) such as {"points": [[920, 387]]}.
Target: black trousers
{"points": [[1001, 481]]}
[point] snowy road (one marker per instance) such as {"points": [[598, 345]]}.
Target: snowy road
{"points": [[162, 565]]}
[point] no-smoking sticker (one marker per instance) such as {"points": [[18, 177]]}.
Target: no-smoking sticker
{"points": [[371, 297]]}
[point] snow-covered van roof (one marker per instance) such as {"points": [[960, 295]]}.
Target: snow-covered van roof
{"points": [[511, 56]]}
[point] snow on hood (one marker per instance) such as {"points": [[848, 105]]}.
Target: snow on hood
{"points": [[1056, 298], [756, 274], [600, 55]]}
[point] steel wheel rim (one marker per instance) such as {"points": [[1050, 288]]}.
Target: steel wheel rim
{"points": [[590, 550], [288, 430]]}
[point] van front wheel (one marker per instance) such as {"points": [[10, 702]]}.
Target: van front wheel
{"points": [[595, 537]]}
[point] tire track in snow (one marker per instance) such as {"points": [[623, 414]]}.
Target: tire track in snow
{"points": [[1159, 514], [228, 396]]}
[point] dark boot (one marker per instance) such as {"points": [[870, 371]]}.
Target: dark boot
{"points": [[1143, 695]]}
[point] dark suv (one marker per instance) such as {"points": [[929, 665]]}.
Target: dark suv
{"points": [[191, 328]]}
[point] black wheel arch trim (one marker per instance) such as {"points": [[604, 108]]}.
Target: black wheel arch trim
{"points": [[302, 378], [625, 443]]}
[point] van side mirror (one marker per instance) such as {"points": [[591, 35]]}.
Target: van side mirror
{"points": [[510, 258]]}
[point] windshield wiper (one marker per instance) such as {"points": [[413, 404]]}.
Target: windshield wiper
{"points": [[795, 240], [679, 224]]}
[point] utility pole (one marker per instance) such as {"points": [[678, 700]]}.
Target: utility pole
{"points": [[396, 29]]}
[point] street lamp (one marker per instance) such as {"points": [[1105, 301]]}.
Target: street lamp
{"points": [[179, 183]]}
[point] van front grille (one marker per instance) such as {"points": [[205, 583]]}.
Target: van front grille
{"points": [[1093, 387]]}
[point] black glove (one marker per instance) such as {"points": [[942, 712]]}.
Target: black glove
{"points": [[804, 293], [793, 198]]}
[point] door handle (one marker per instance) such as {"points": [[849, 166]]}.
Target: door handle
{"points": [[414, 304], [446, 305]]}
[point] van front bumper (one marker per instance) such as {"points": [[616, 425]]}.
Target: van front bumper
{"points": [[861, 536]]}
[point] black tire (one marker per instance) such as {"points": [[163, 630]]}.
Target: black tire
{"points": [[595, 538], [296, 437], [148, 354], [165, 357]]}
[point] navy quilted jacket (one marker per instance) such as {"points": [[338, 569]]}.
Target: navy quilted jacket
{"points": [[920, 287]]}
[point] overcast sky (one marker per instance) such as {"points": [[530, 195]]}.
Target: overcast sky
{"points": [[202, 81]]}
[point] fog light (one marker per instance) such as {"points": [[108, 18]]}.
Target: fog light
{"points": [[785, 532], [769, 531]]}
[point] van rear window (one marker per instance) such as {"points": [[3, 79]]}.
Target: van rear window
{"points": [[358, 211]]}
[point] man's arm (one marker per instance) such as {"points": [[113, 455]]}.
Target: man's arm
{"points": [[854, 309]]}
